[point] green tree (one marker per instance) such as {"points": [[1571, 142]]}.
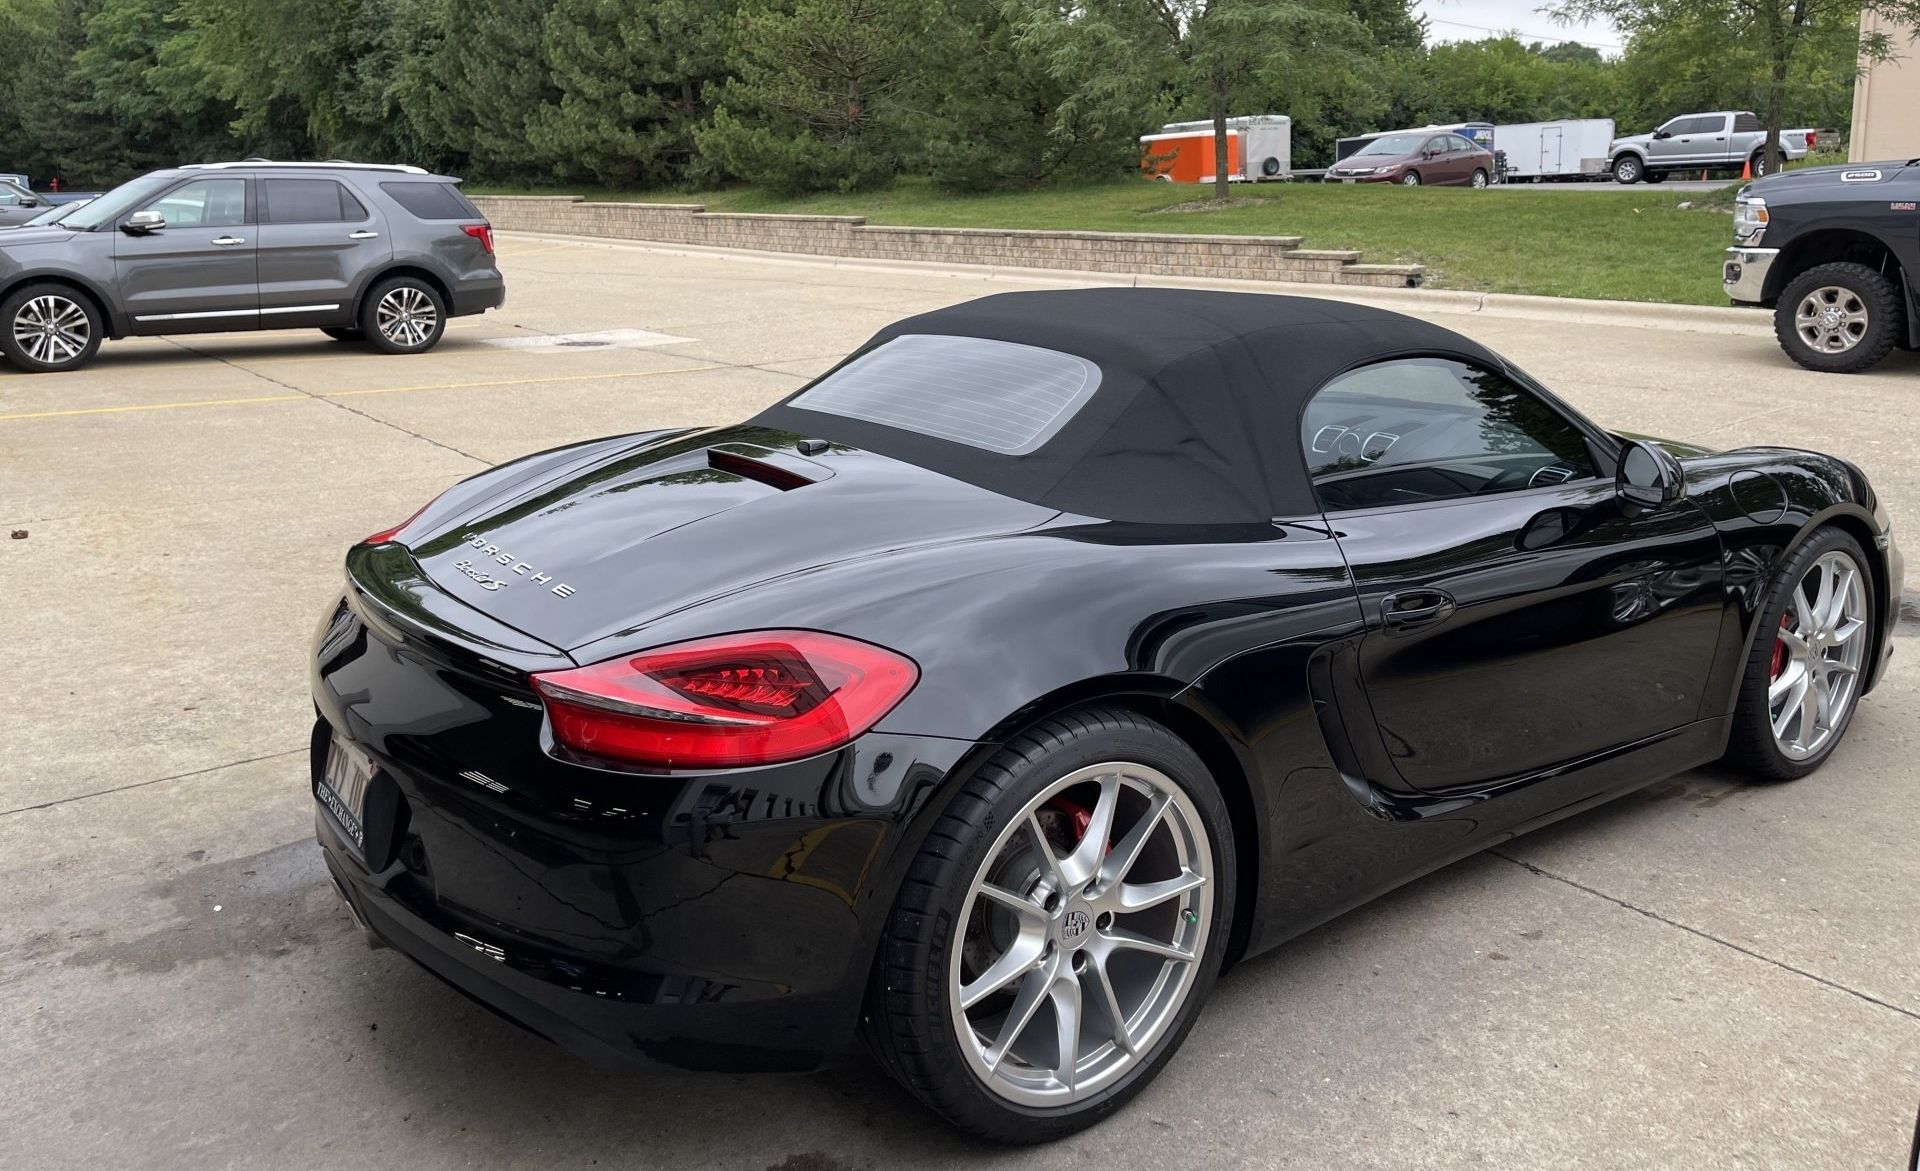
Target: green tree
{"points": [[816, 101], [490, 76], [1779, 30], [1209, 53], [634, 82]]}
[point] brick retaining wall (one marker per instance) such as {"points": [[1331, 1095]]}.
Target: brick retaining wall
{"points": [[1271, 258]]}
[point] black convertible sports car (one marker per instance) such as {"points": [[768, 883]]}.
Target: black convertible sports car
{"points": [[993, 693]]}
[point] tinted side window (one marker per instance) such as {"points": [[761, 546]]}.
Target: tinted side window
{"points": [[432, 201], [1436, 144], [1709, 124], [309, 201], [1744, 123], [9, 197], [1426, 429], [204, 203]]}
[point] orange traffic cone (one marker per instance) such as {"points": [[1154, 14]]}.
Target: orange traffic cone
{"points": [[1746, 172]]}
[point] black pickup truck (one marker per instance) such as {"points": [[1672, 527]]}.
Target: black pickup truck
{"points": [[1835, 253]]}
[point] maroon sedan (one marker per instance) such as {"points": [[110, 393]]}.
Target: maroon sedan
{"points": [[1437, 157]]}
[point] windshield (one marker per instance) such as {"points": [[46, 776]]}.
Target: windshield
{"points": [[109, 208], [54, 215], [1392, 144]]}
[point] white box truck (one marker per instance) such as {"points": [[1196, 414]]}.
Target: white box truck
{"points": [[1571, 149]]}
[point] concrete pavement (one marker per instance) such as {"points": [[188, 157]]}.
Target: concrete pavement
{"points": [[1702, 975]]}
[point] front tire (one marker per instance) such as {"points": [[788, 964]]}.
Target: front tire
{"points": [[46, 328], [1628, 169], [1410, 179], [1059, 931], [1838, 318], [403, 315], [1807, 664]]}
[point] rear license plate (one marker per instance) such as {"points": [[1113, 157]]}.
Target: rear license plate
{"points": [[343, 787]]}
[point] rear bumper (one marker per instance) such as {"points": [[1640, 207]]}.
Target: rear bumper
{"points": [[479, 295]]}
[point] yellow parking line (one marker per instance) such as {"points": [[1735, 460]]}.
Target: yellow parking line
{"points": [[283, 398]]}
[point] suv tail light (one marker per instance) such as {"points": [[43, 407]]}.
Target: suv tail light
{"points": [[482, 233], [740, 699]]}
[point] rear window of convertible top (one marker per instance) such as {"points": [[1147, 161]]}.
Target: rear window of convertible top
{"points": [[998, 396]]}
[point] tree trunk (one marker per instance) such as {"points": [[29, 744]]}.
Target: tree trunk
{"points": [[1778, 52], [1217, 101]]}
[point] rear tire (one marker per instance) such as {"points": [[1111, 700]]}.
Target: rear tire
{"points": [[1756, 745], [46, 328], [1628, 169], [1844, 305], [978, 899], [1479, 180], [403, 315]]}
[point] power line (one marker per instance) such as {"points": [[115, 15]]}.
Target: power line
{"points": [[1549, 37]]}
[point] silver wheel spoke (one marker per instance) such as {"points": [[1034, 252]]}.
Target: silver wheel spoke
{"points": [[1128, 941], [1794, 675], [1079, 867], [1790, 708], [1139, 896], [1033, 990], [1040, 843], [1018, 958], [1066, 1017], [1110, 1004], [1128, 849]]}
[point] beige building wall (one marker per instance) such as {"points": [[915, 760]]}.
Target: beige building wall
{"points": [[1886, 99]]}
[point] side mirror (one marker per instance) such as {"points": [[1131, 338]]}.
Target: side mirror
{"points": [[1663, 134], [1648, 478], [28, 201], [140, 223]]}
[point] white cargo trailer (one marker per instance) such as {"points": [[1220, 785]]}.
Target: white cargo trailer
{"points": [[1572, 149]]}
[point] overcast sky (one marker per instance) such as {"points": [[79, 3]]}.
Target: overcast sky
{"points": [[1470, 20]]}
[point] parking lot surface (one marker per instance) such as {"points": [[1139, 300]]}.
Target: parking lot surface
{"points": [[1702, 975]]}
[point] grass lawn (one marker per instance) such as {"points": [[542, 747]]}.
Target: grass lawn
{"points": [[1632, 245]]}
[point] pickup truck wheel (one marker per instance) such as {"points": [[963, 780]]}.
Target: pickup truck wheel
{"points": [[1838, 318], [1628, 169], [1759, 163], [1655, 176]]}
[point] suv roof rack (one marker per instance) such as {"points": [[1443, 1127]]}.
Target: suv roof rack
{"points": [[330, 164]]}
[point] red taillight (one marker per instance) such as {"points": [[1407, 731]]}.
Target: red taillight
{"points": [[1810, 138], [482, 233], [739, 699], [385, 535]]}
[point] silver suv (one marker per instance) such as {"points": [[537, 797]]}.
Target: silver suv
{"points": [[380, 254]]}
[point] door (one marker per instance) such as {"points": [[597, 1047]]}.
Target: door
{"points": [[1550, 141], [1701, 140], [1433, 166], [1517, 617], [194, 273], [1465, 156], [318, 242], [1671, 151]]}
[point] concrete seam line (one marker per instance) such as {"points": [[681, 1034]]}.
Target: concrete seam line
{"points": [[212, 768], [1657, 917]]}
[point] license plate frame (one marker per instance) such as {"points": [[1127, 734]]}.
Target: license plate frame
{"points": [[343, 786]]}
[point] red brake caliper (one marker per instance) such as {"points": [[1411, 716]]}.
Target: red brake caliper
{"points": [[1081, 816], [1780, 648]]}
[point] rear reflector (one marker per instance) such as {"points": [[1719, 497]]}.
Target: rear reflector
{"points": [[482, 233], [740, 699]]}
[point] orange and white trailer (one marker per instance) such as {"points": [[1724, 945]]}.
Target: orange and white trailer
{"points": [[1259, 147]]}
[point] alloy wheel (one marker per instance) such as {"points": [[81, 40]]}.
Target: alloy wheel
{"points": [[1817, 656], [1081, 934], [1832, 319], [52, 329], [406, 316], [1479, 178]]}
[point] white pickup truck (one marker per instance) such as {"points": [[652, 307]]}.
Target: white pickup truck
{"points": [[1700, 142]]}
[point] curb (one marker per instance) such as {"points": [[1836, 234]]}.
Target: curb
{"points": [[1569, 310]]}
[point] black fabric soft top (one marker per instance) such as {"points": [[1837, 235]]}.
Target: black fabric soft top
{"points": [[1197, 416]]}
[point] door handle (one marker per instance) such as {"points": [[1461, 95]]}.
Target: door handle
{"points": [[363, 234], [1412, 609], [228, 241]]}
